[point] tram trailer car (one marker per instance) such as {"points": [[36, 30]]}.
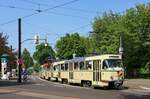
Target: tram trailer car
{"points": [[97, 71]]}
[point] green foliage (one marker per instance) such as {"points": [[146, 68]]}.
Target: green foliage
{"points": [[30, 70], [70, 44], [145, 69], [106, 32], [37, 67], [43, 52], [5, 49], [134, 25], [27, 59]]}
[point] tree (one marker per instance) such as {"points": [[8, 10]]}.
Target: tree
{"points": [[69, 45], [5, 49], [106, 32], [43, 52], [134, 25], [3, 43], [36, 67], [27, 59]]}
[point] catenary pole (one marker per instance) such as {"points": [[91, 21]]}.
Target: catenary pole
{"points": [[19, 50]]}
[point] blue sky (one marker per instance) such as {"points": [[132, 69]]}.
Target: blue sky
{"points": [[74, 17]]}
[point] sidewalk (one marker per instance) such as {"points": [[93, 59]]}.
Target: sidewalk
{"points": [[9, 83]]}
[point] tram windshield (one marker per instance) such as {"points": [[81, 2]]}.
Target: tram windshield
{"points": [[112, 63]]}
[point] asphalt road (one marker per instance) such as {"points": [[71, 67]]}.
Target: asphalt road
{"points": [[37, 88]]}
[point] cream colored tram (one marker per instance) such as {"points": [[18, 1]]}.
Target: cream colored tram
{"points": [[100, 70], [43, 73], [56, 70]]}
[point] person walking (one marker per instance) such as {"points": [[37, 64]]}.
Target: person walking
{"points": [[24, 75]]}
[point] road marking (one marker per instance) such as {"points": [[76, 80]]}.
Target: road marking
{"points": [[7, 90], [145, 88], [42, 79], [39, 84], [57, 84]]}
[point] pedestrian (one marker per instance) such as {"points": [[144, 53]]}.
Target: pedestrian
{"points": [[24, 74], [8, 75]]}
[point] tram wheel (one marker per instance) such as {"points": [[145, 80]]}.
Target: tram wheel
{"points": [[86, 83]]}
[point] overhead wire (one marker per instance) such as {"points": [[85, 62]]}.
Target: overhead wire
{"points": [[67, 8], [40, 11], [15, 7], [37, 10], [81, 27]]}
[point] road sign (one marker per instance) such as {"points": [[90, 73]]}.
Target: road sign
{"points": [[20, 61]]}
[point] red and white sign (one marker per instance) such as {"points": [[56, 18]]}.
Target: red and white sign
{"points": [[19, 61]]}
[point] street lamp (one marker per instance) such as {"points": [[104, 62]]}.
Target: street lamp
{"points": [[19, 48]]}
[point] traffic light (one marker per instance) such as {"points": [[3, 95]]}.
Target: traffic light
{"points": [[36, 39]]}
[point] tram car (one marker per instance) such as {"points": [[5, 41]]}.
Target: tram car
{"points": [[97, 71]]}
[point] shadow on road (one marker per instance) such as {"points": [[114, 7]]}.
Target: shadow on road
{"points": [[7, 83], [110, 88]]}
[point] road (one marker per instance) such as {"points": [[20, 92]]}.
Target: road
{"points": [[37, 88]]}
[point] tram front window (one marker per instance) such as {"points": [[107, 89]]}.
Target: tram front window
{"points": [[111, 63]]}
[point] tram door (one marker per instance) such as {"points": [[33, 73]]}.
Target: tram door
{"points": [[70, 70], [59, 67], [96, 71], [51, 68]]}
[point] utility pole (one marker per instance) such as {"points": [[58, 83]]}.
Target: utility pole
{"points": [[19, 50]]}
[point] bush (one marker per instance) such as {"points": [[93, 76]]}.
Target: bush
{"points": [[30, 70], [37, 67], [145, 71]]}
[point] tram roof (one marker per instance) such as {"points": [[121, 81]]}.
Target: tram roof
{"points": [[96, 57]]}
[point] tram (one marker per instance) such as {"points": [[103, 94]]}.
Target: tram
{"points": [[97, 71]]}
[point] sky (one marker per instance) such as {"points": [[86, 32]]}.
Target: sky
{"points": [[55, 22]]}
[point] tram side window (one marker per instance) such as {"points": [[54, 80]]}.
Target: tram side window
{"points": [[62, 67], [54, 68], [89, 65], [58, 68], [66, 67], [76, 66], [104, 65], [82, 67]]}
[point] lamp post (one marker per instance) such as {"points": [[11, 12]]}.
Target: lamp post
{"points": [[19, 48]]}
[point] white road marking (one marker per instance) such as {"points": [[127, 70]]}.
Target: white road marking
{"points": [[39, 84], [145, 88], [57, 84]]}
